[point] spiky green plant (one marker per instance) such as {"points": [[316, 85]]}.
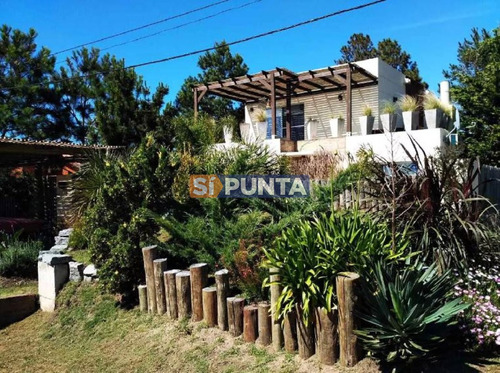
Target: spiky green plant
{"points": [[407, 313], [431, 101], [408, 103], [367, 110], [389, 108]]}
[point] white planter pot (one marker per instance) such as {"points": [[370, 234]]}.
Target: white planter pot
{"points": [[410, 120], [228, 135], [389, 122], [337, 127], [433, 118], [246, 133], [366, 124], [311, 130], [261, 130]]}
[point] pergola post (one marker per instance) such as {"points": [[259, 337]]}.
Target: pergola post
{"points": [[273, 106], [349, 100], [288, 112]]}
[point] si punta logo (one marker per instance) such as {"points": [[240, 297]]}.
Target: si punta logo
{"points": [[249, 186]]}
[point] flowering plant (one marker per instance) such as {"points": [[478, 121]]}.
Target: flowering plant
{"points": [[480, 286]]}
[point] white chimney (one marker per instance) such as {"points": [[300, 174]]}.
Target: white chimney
{"points": [[444, 92]]}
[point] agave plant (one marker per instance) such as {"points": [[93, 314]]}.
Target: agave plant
{"points": [[407, 313]]}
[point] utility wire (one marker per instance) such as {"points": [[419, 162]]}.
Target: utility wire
{"points": [[240, 41], [258, 36], [142, 27], [183, 24]]}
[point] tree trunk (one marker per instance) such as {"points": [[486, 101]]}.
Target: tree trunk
{"points": [[183, 289], [222, 285], [326, 336], [305, 334], [347, 295], [276, 331], [290, 332], [170, 289], [250, 324], [199, 280], [143, 298], [149, 254], [160, 266], [264, 323], [210, 306], [235, 315]]}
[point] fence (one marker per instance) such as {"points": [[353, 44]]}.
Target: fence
{"points": [[489, 184], [186, 293]]}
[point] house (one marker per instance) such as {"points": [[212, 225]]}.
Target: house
{"points": [[51, 163], [293, 113]]}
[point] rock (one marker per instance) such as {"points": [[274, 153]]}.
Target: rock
{"points": [[53, 258], [65, 232], [58, 248], [75, 271], [90, 273], [58, 240]]}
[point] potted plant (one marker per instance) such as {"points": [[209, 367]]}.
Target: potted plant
{"points": [[366, 121], [433, 110], [389, 117], [409, 105], [261, 125], [337, 126], [311, 129], [228, 134]]}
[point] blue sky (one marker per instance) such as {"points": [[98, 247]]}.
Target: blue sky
{"points": [[429, 30]]}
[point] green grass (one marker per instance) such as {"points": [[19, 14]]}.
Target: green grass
{"points": [[82, 256], [90, 330], [17, 286]]}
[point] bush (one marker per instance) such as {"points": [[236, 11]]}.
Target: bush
{"points": [[407, 313], [311, 253], [18, 258]]}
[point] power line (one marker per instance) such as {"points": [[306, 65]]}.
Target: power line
{"points": [[142, 27], [240, 41], [183, 24], [258, 36]]}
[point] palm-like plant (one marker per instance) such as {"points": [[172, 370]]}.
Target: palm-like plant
{"points": [[407, 312]]}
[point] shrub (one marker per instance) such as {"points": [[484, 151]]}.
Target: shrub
{"points": [[17, 257], [310, 253], [438, 205], [389, 108], [21, 189], [407, 313], [408, 103]]}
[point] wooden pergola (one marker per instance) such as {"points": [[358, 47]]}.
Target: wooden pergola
{"points": [[283, 84]]}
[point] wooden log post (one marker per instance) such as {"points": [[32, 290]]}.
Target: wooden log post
{"points": [[171, 292], [235, 315], [327, 336], [276, 331], [210, 306], [149, 254], [183, 290], [348, 301], [265, 325], [250, 323], [305, 334], [160, 266], [199, 280], [143, 298], [290, 332], [222, 285]]}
